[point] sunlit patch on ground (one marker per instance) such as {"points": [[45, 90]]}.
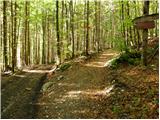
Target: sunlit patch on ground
{"points": [[66, 84], [85, 93], [93, 92], [132, 72], [36, 71], [103, 60], [95, 64], [39, 70], [22, 76], [81, 111]]}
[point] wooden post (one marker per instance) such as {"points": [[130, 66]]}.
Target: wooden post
{"points": [[145, 35]]}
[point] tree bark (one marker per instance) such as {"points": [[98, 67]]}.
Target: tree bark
{"points": [[44, 38], [26, 33], [5, 34], [87, 34], [145, 35], [72, 26], [58, 37]]}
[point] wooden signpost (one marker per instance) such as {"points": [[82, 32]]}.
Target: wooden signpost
{"points": [[145, 25], [145, 22]]}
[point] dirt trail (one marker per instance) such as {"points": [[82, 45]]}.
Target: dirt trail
{"points": [[19, 91], [81, 92], [87, 89]]}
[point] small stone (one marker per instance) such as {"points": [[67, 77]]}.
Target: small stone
{"points": [[28, 89], [122, 90], [58, 69], [60, 77], [46, 86]]}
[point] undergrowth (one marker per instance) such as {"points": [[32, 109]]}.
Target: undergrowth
{"points": [[65, 66], [131, 57]]}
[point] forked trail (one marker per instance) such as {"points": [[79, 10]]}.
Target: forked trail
{"points": [[81, 92], [87, 89]]}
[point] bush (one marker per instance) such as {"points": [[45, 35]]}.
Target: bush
{"points": [[129, 57], [65, 66]]}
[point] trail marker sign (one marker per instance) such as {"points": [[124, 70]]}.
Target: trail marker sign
{"points": [[145, 22]]}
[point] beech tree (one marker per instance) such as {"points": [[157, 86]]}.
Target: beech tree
{"points": [[58, 36], [5, 33]]}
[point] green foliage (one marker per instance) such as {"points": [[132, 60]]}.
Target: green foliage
{"points": [[150, 92], [116, 109], [114, 64], [119, 43], [65, 66], [136, 101], [129, 57], [156, 101]]}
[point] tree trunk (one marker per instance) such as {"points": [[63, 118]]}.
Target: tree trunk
{"points": [[99, 25], [58, 37], [87, 34], [156, 23], [96, 26], [145, 35], [48, 31], [26, 32], [62, 32], [14, 41], [44, 37], [72, 26], [5, 34], [84, 39]]}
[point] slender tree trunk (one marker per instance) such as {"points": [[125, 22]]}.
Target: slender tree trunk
{"points": [[38, 48], [99, 25], [78, 36], [18, 45], [67, 29], [5, 34], [130, 28], [14, 38], [145, 35], [72, 26], [96, 25], [87, 34], [28, 34], [123, 26], [58, 37], [36, 45], [62, 32], [156, 23], [1, 44], [48, 54], [84, 41], [44, 37]]}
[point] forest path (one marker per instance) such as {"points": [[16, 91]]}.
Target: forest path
{"points": [[87, 89], [81, 91], [19, 91]]}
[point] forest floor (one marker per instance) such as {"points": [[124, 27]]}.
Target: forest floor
{"points": [[19, 91], [87, 89]]}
